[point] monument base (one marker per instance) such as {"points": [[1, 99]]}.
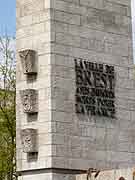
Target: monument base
{"points": [[48, 174]]}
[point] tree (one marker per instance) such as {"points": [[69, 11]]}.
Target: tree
{"points": [[7, 110]]}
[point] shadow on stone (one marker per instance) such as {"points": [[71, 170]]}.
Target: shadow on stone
{"points": [[32, 117], [33, 156], [31, 78]]}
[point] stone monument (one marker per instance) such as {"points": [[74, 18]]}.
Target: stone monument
{"points": [[75, 88]]}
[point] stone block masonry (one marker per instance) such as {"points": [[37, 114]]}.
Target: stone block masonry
{"points": [[60, 32], [95, 32]]}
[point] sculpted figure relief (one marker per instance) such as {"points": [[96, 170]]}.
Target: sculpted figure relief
{"points": [[29, 100], [28, 59], [29, 140]]}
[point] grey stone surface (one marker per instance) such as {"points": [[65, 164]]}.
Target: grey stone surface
{"points": [[99, 31], [111, 175], [29, 98], [60, 31], [103, 175], [29, 61], [29, 140]]}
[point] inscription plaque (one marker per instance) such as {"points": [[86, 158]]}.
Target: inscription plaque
{"points": [[29, 99], [95, 88], [28, 59], [29, 140]]}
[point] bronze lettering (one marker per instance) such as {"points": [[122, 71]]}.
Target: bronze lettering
{"points": [[95, 88]]}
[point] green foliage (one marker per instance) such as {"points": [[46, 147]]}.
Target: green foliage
{"points": [[7, 111]]}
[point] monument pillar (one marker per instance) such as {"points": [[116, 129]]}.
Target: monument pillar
{"points": [[75, 87]]}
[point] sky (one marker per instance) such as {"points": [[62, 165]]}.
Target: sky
{"points": [[7, 17]]}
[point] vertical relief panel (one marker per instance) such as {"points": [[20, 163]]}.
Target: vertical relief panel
{"points": [[29, 61], [29, 98], [29, 140]]}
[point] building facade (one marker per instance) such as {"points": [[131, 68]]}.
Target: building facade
{"points": [[75, 87]]}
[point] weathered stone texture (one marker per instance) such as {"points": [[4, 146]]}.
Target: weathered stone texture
{"points": [[29, 61], [33, 32], [29, 139], [113, 174], [29, 98], [97, 31], [59, 31]]}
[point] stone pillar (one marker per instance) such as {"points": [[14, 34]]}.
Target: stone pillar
{"points": [[34, 126], [82, 72]]}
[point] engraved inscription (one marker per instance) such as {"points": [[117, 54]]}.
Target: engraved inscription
{"points": [[28, 59], [29, 99], [95, 88], [29, 140]]}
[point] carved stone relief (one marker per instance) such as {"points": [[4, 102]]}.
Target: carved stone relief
{"points": [[28, 59], [29, 140], [29, 99]]}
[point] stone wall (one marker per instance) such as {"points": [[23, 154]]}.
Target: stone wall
{"points": [[127, 174], [60, 31], [34, 32], [97, 31]]}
